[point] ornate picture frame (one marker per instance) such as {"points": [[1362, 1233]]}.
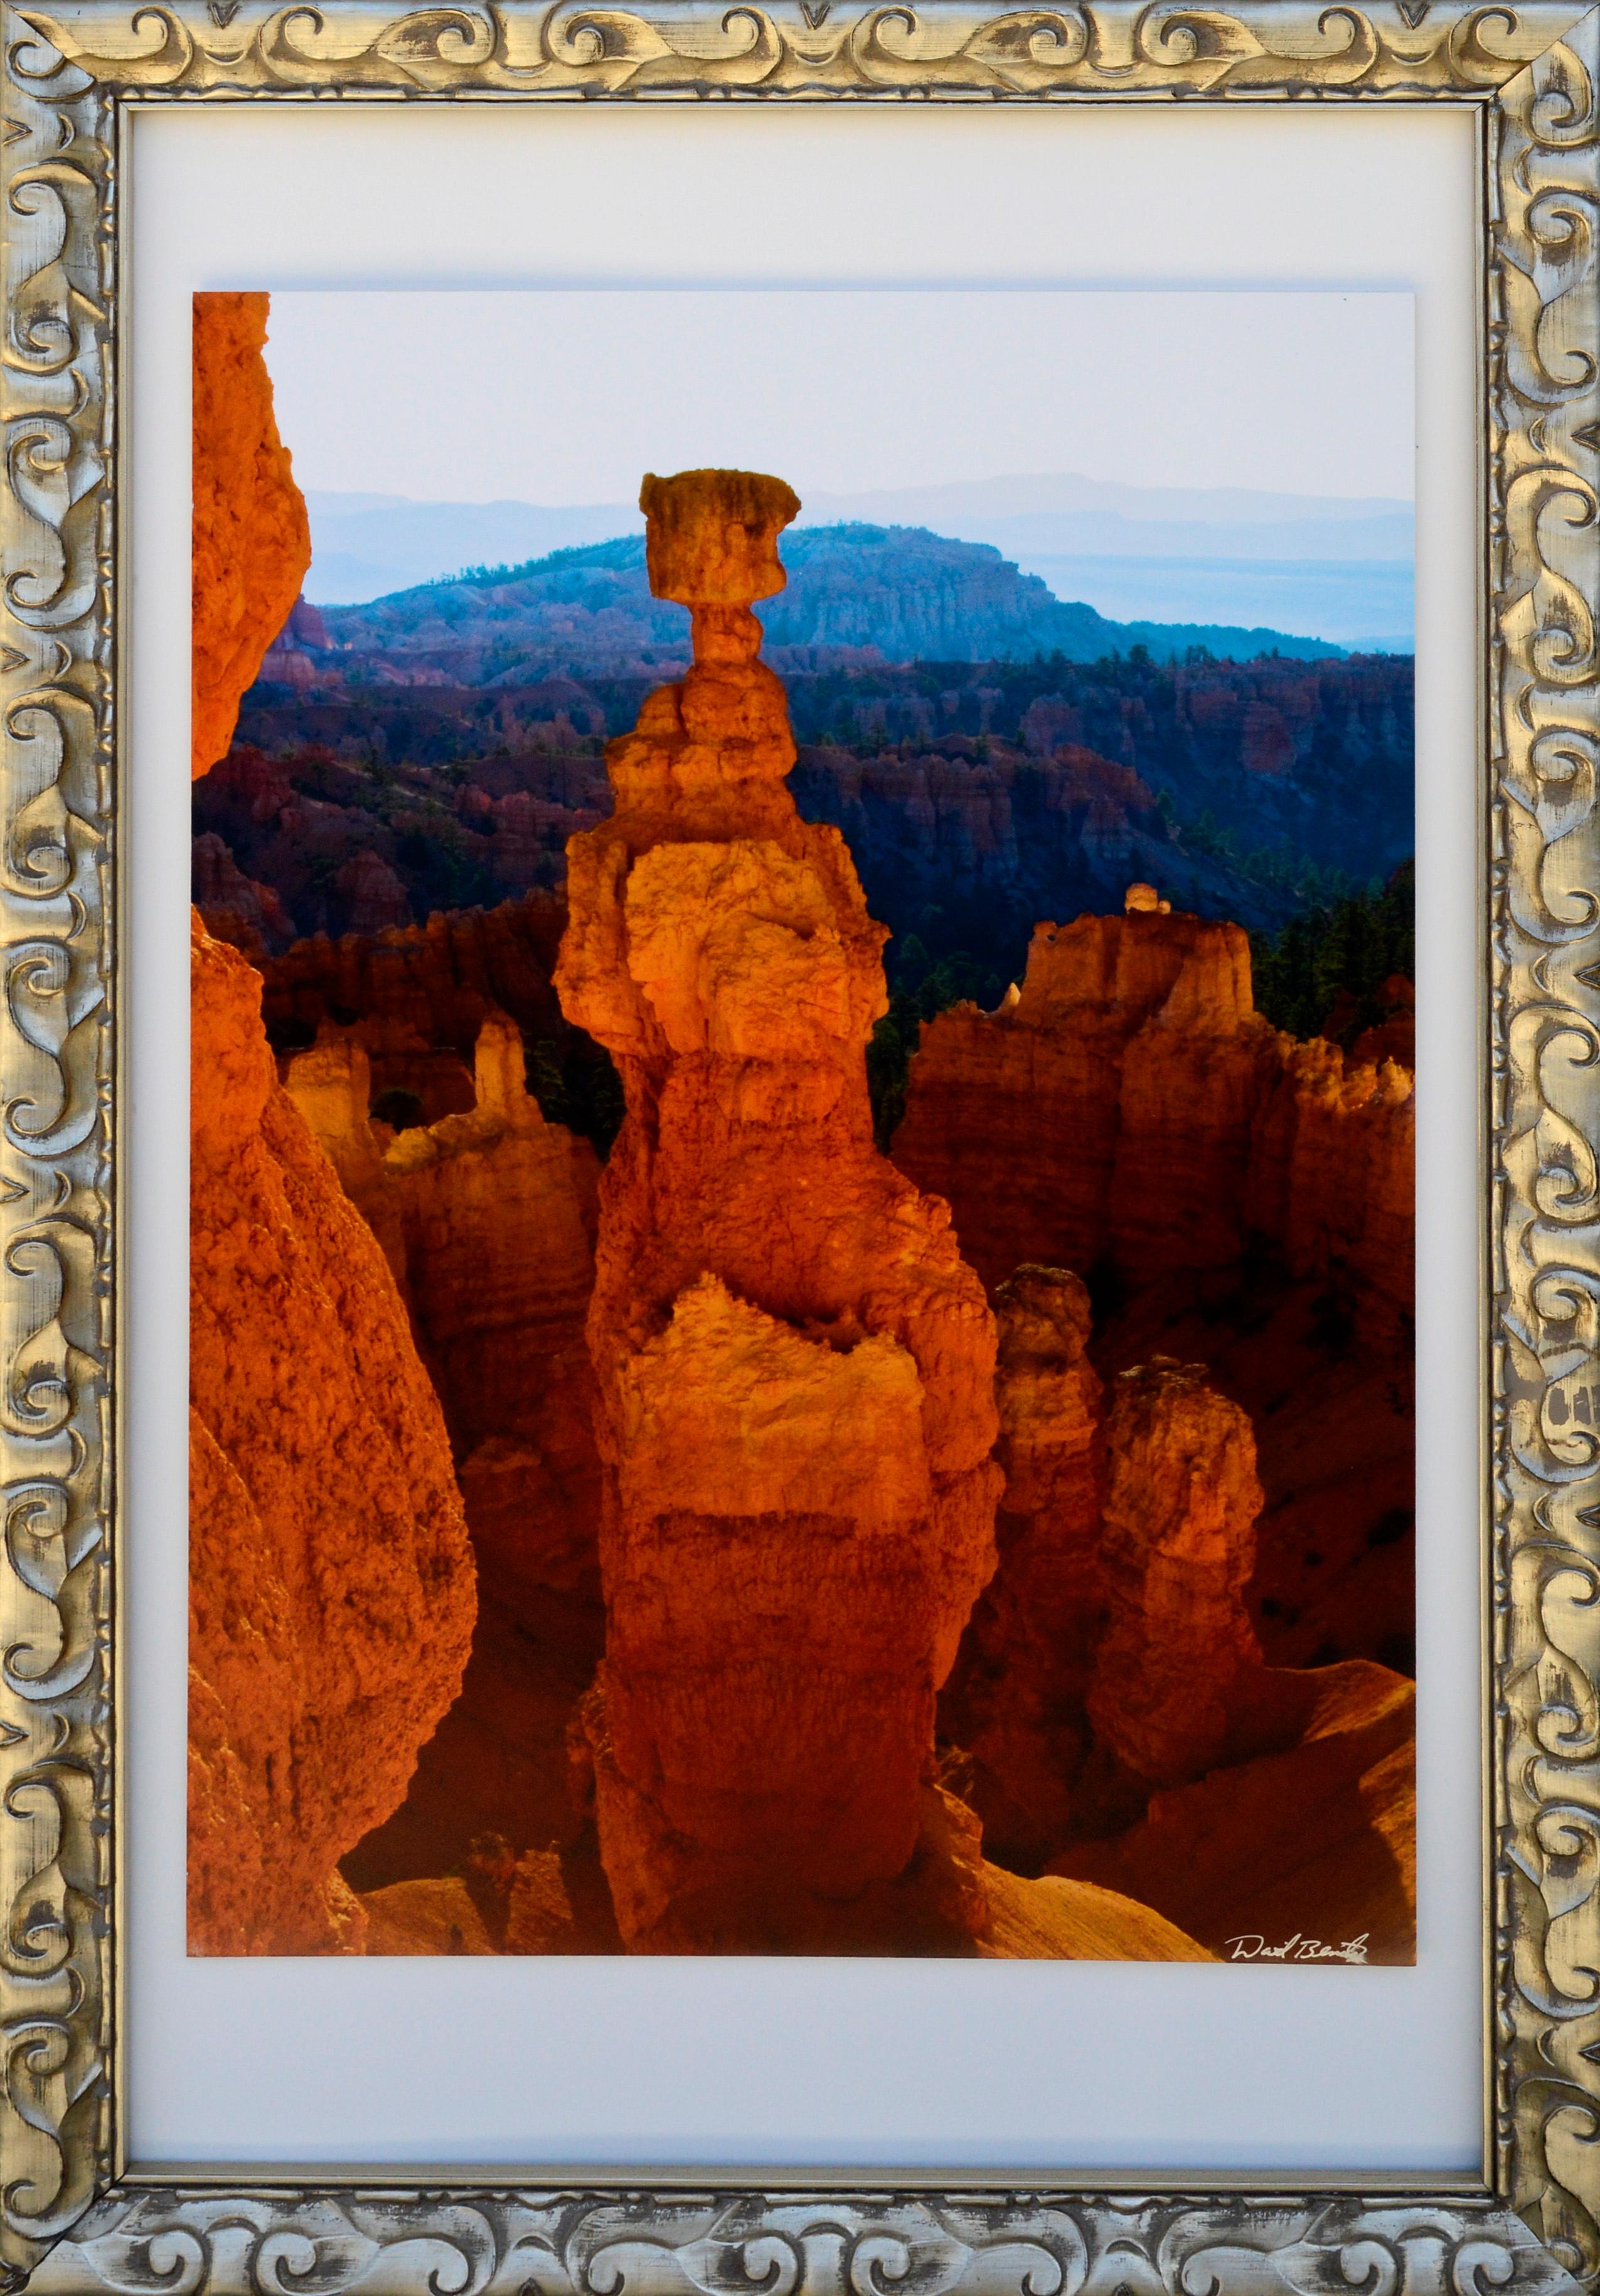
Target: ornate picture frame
{"points": [[72, 2218]]}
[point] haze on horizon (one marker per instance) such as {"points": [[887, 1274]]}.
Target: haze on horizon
{"points": [[565, 396]]}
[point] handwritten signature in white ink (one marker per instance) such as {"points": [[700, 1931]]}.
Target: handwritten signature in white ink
{"points": [[1252, 1947]]}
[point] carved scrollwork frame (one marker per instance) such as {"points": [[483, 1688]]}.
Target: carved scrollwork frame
{"points": [[67, 2215]]}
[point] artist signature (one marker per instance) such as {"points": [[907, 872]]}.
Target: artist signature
{"points": [[1298, 1948]]}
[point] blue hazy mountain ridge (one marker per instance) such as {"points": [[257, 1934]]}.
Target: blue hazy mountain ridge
{"points": [[1341, 565], [1367, 605], [904, 593]]}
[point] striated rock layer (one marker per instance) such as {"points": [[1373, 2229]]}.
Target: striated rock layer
{"points": [[252, 539], [330, 1581], [795, 1365]]}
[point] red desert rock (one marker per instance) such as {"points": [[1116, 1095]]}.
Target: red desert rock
{"points": [[1337, 1809], [418, 997], [1177, 1547], [1247, 1199], [330, 1582], [1130, 1104], [795, 1365]]}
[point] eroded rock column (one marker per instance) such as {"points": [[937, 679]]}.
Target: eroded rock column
{"points": [[1177, 1667], [795, 1365]]}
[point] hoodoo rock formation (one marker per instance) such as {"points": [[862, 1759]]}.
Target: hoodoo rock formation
{"points": [[437, 983], [795, 1365], [331, 1583], [1111, 1695], [685, 1557], [1177, 1659], [252, 540], [416, 998]]}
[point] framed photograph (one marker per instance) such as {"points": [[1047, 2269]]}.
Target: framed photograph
{"points": [[801, 1424]]}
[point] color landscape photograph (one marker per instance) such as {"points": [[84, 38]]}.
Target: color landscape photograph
{"points": [[803, 1125]]}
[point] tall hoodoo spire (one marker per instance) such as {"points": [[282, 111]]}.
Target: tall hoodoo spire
{"points": [[795, 1364]]}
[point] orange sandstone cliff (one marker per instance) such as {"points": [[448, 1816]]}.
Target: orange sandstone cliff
{"points": [[330, 1582], [252, 540]]}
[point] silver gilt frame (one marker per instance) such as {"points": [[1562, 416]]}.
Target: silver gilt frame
{"points": [[72, 2216]]}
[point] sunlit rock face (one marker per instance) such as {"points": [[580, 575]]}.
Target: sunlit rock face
{"points": [[795, 1365], [331, 1583], [1131, 1106], [252, 540], [1177, 1547]]}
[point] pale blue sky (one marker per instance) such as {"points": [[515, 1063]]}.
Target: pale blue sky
{"points": [[565, 396]]}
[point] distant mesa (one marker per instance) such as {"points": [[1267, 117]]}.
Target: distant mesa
{"points": [[912, 595], [1334, 558]]}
